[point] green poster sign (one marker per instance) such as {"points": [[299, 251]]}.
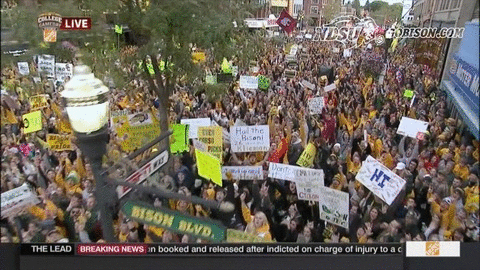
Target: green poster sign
{"points": [[263, 82], [211, 79], [179, 138], [408, 93], [118, 29], [174, 221]]}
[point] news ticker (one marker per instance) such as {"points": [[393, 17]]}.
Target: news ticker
{"points": [[210, 249]]}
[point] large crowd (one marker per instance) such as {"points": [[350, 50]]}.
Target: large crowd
{"points": [[440, 200]]}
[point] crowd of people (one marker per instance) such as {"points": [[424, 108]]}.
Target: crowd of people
{"points": [[440, 200]]}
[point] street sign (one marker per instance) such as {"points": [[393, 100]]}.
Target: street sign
{"points": [[174, 221], [144, 172]]}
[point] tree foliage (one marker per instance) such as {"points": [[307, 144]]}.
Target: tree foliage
{"points": [[332, 9]]}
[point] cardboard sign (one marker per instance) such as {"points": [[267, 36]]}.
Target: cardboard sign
{"points": [[308, 189], [59, 142], [32, 122], [134, 130], [380, 180], [144, 172], [38, 102], [334, 206], [243, 172], [315, 105], [330, 87], [249, 82], [174, 221], [63, 71], [212, 137], [16, 199], [179, 138], [235, 236], [23, 68], [411, 127], [306, 159], [209, 167], [46, 64], [294, 173], [250, 138], [194, 124]]}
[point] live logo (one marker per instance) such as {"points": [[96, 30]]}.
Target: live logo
{"points": [[76, 23]]}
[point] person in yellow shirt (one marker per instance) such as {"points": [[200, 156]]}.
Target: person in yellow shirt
{"points": [[257, 224], [461, 169]]}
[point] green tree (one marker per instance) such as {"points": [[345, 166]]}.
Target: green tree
{"points": [[367, 5], [356, 5], [332, 9]]}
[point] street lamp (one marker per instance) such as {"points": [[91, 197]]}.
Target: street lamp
{"points": [[86, 101]]}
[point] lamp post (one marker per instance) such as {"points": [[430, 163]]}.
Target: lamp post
{"points": [[87, 106]]}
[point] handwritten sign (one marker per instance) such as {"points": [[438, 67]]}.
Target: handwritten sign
{"points": [[380, 180], [330, 87], [59, 142], [209, 167], [294, 173], [32, 122], [243, 172], [315, 105], [63, 71], [23, 68], [38, 102], [194, 124], [179, 138], [334, 205], [309, 188], [248, 82], [411, 127], [250, 138], [16, 199], [212, 137], [46, 64], [306, 159]]}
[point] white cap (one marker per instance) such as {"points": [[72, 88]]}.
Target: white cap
{"points": [[400, 166]]}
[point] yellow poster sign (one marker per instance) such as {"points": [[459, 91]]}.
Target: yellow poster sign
{"points": [[209, 167], [134, 134], [212, 137], [59, 142], [306, 159], [38, 102], [32, 122], [235, 236], [198, 57]]}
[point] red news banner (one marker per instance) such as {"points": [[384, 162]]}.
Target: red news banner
{"points": [[76, 23], [210, 249]]}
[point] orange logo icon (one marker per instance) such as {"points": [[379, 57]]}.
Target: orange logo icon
{"points": [[432, 248]]}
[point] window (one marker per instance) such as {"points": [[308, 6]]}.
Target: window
{"points": [[313, 10], [314, 1]]}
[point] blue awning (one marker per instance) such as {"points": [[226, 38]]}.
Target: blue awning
{"points": [[470, 116]]}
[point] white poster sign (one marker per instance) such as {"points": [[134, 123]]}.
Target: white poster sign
{"points": [[308, 84], [330, 87], [335, 50], [380, 180], [315, 105], [63, 70], [250, 138], [140, 119], [308, 189], [46, 64], [194, 124], [334, 205], [294, 173], [248, 82], [347, 53], [144, 172], [243, 172], [23, 68], [411, 127], [15, 199]]}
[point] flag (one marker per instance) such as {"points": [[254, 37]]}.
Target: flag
{"points": [[399, 76], [286, 22], [226, 68], [118, 29]]}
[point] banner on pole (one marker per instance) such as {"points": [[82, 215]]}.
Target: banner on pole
{"points": [[243, 172], [250, 138], [334, 205], [315, 105], [194, 124], [179, 138], [380, 180], [174, 221], [212, 137], [59, 142], [209, 167], [32, 122], [411, 127], [307, 156]]}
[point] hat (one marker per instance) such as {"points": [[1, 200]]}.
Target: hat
{"points": [[400, 166], [448, 200], [336, 145]]}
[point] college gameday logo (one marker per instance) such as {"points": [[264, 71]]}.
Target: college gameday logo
{"points": [[50, 22]]}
